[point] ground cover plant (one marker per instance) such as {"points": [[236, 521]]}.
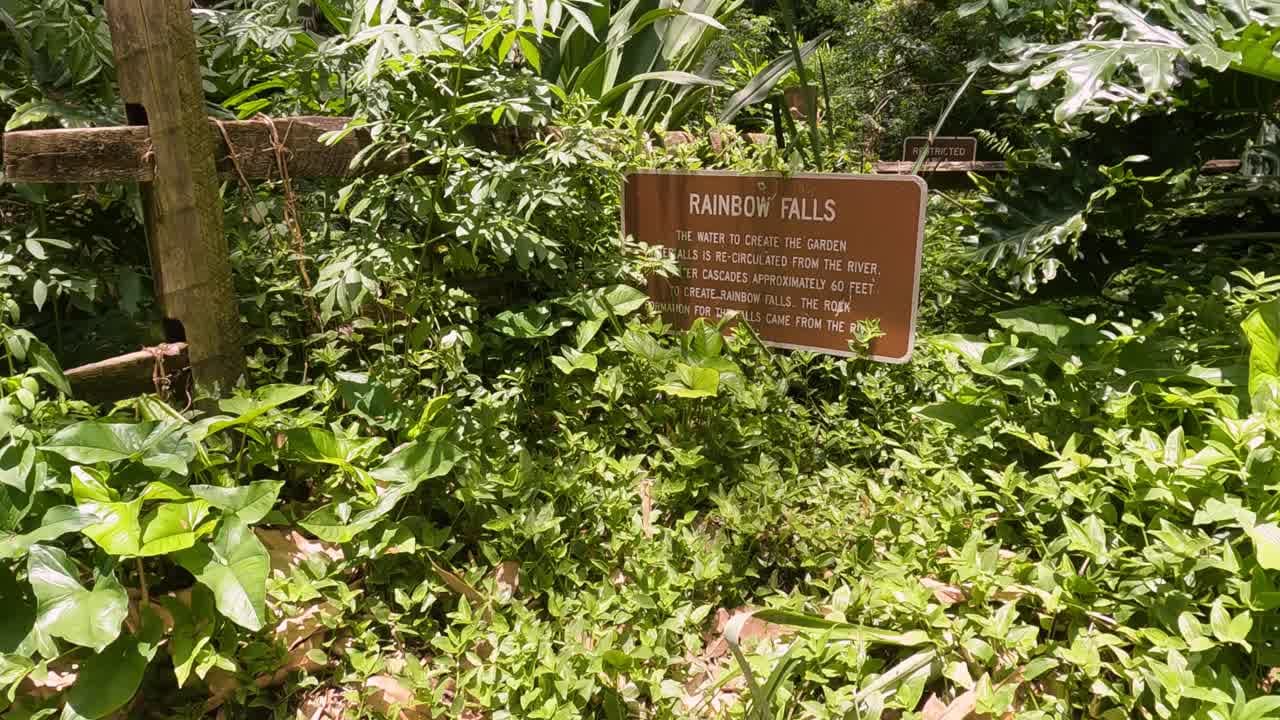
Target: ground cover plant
{"points": [[472, 474]]}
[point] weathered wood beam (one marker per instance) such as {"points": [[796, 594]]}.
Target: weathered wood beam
{"points": [[955, 175], [981, 167], [132, 374], [124, 154]]}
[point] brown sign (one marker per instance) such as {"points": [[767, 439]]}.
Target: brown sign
{"points": [[943, 149], [801, 258]]}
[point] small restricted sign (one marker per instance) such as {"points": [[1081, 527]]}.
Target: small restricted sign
{"points": [[802, 258], [942, 149]]}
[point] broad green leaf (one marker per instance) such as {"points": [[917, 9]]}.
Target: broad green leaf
{"points": [[234, 565], [158, 445], [109, 679], [57, 521], [263, 400], [570, 360], [1088, 537], [16, 464], [1262, 328], [317, 445], [116, 527], [172, 527], [1260, 708], [65, 609], [427, 457], [1266, 542], [984, 357], [957, 414], [47, 367], [535, 322], [19, 618], [401, 475], [1256, 46], [691, 382], [90, 486], [249, 502]]}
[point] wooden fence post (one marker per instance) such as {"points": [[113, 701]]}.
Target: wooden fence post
{"points": [[159, 73]]}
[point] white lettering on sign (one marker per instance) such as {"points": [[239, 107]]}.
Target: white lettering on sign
{"points": [[759, 206], [729, 205], [808, 209]]}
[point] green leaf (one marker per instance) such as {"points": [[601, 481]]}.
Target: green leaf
{"points": [[427, 457], [65, 609], [986, 358], [692, 382], [249, 502], [1262, 328], [402, 474], [172, 527], [763, 84], [1257, 48], [317, 445], [570, 360], [46, 366], [234, 566], [1266, 542], [263, 400], [162, 446], [843, 630], [109, 679], [535, 322], [674, 77], [1259, 708], [1089, 537], [57, 521], [116, 527]]}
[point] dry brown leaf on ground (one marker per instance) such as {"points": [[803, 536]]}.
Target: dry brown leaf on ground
{"points": [[298, 660], [961, 708], [52, 682], [383, 692], [291, 631], [646, 507], [754, 631], [323, 704], [288, 550], [944, 593], [458, 585], [933, 708], [507, 577]]}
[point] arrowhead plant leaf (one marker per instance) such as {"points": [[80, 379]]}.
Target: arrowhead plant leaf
{"points": [[234, 566], [66, 609]]}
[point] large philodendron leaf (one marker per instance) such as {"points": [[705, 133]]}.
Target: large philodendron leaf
{"points": [[1152, 39], [234, 566], [65, 609], [1257, 48]]}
